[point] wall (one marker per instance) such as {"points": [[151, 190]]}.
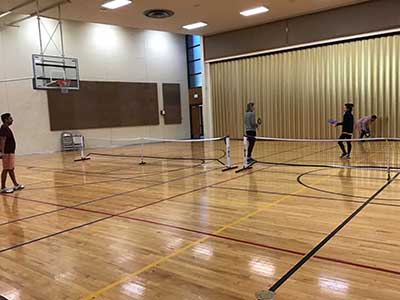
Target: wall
{"points": [[105, 52], [362, 18]]}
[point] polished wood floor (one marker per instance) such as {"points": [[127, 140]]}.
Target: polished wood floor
{"points": [[110, 229]]}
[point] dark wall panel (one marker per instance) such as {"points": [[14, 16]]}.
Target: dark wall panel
{"points": [[268, 36], [346, 21], [172, 103], [366, 17], [104, 104]]}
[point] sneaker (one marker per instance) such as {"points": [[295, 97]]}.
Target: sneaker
{"points": [[7, 191], [343, 155], [347, 156], [18, 187], [250, 160]]}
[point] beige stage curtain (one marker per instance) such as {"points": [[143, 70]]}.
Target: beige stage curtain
{"points": [[296, 92]]}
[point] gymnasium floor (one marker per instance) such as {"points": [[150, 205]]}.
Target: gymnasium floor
{"points": [[109, 229]]}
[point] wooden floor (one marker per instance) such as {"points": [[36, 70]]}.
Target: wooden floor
{"points": [[109, 229]]}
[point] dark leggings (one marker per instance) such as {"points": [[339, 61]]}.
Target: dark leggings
{"points": [[342, 137], [252, 140], [364, 133]]}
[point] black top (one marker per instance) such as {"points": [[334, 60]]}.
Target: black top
{"points": [[347, 123], [10, 145]]}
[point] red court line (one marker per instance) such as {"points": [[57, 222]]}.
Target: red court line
{"points": [[111, 216], [289, 251], [279, 249]]}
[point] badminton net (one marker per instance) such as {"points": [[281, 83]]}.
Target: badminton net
{"points": [[372, 153], [156, 150]]}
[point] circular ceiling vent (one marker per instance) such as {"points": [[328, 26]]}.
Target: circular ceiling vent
{"points": [[158, 13]]}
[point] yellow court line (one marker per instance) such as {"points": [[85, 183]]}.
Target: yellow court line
{"points": [[94, 295]]}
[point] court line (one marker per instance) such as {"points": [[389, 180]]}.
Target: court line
{"points": [[63, 207], [299, 180], [108, 217], [136, 177], [53, 234], [220, 237], [321, 244], [306, 196], [192, 244], [333, 175]]}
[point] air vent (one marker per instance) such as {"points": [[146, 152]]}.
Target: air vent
{"points": [[158, 13]]}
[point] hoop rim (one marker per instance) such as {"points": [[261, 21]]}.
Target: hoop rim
{"points": [[63, 83]]}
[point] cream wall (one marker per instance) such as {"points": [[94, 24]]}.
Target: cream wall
{"points": [[105, 52]]}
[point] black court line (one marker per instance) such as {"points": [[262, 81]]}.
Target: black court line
{"points": [[136, 177], [105, 218], [300, 181], [302, 196], [128, 211], [333, 175], [313, 251]]}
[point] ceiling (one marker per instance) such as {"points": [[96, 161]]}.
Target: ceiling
{"points": [[221, 15]]}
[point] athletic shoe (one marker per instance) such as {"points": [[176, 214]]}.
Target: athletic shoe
{"points": [[18, 187], [347, 156], [7, 191], [250, 160], [343, 155]]}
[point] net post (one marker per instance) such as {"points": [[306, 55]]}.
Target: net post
{"points": [[265, 295], [83, 156], [228, 165], [245, 145], [142, 162], [245, 162], [389, 177]]}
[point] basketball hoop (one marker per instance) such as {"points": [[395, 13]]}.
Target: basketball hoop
{"points": [[64, 85]]}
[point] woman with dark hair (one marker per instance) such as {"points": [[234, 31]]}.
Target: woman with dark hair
{"points": [[347, 130], [251, 127]]}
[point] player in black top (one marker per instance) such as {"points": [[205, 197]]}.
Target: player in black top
{"points": [[347, 129]]}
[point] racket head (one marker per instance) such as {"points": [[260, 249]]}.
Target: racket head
{"points": [[332, 122]]}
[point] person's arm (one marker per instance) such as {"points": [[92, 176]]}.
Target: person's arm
{"points": [[253, 120], [2, 145], [339, 123]]}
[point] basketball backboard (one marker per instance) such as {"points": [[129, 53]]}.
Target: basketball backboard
{"points": [[48, 71]]}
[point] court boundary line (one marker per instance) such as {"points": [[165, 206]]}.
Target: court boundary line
{"points": [[309, 197], [322, 243], [299, 180], [237, 221], [155, 202]]}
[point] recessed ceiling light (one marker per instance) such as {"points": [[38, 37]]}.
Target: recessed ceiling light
{"points": [[254, 11], [195, 25], [5, 14], [116, 4]]}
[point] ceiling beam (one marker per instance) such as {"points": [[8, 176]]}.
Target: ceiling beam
{"points": [[59, 3]]}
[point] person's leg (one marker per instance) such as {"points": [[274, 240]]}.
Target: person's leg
{"points": [[17, 186], [349, 146], [252, 141], [3, 179], [12, 176], [341, 145], [363, 133], [7, 163]]}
